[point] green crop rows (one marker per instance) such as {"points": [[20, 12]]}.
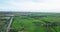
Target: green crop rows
{"points": [[29, 26]]}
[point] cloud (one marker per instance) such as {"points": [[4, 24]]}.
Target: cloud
{"points": [[31, 5]]}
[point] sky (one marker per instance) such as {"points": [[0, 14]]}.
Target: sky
{"points": [[30, 5]]}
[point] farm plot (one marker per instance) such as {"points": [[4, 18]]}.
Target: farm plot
{"points": [[3, 23], [26, 24]]}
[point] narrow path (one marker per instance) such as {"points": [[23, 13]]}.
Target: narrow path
{"points": [[8, 27]]}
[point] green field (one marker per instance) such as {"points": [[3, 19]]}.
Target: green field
{"points": [[29, 26]]}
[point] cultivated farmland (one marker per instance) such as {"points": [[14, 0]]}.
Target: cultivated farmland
{"points": [[27, 23]]}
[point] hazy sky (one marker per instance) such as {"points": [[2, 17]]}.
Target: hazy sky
{"points": [[30, 5]]}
